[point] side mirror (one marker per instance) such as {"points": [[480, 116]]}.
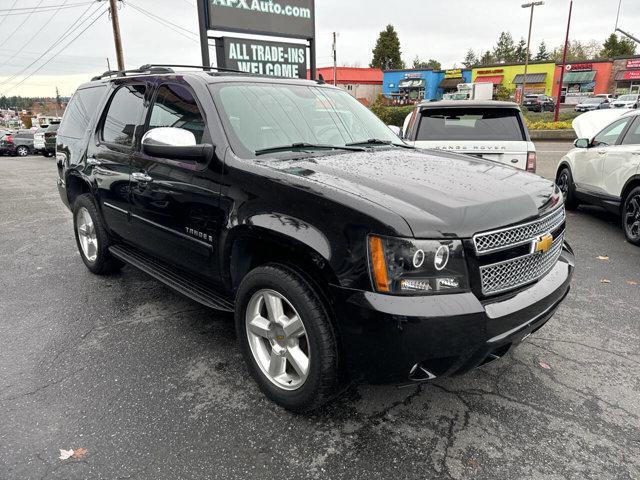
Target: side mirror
{"points": [[396, 130], [582, 143], [175, 144]]}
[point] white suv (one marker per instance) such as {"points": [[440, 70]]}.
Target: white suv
{"points": [[484, 128], [604, 168]]}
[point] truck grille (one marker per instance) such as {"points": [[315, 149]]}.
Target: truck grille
{"points": [[516, 272], [496, 240]]}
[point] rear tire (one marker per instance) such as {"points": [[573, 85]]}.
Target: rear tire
{"points": [[631, 216], [22, 151], [272, 349], [91, 237], [564, 180]]}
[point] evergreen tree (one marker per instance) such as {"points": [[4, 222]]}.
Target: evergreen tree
{"points": [[431, 63], [386, 54], [614, 47], [505, 49], [520, 52], [542, 54], [487, 59], [470, 59]]}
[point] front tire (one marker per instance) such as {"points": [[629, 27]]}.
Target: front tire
{"points": [[287, 338], [631, 216], [91, 237], [564, 180], [22, 151]]}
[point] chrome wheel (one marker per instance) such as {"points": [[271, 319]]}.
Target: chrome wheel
{"points": [[22, 151], [87, 234], [563, 183], [632, 217], [278, 339]]}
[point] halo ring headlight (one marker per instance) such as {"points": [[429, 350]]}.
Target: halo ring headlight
{"points": [[418, 258], [441, 257]]}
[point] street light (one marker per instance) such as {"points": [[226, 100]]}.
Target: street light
{"points": [[530, 5]]}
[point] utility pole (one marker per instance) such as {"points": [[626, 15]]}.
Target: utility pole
{"points": [[108, 65], [335, 60], [116, 33], [531, 5], [564, 65]]}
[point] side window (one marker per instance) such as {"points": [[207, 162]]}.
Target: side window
{"points": [[80, 111], [610, 135], [175, 106], [633, 135], [123, 115]]}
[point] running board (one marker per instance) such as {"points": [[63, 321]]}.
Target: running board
{"points": [[170, 276]]}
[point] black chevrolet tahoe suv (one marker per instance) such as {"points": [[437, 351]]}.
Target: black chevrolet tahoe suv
{"points": [[345, 255]]}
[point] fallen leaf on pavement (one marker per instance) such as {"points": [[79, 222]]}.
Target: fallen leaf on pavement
{"points": [[546, 366], [631, 282], [79, 452], [604, 280], [603, 257], [65, 454]]}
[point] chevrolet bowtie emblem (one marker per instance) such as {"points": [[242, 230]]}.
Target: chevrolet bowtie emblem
{"points": [[543, 243]]}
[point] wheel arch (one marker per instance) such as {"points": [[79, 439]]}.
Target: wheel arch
{"points": [[76, 185], [564, 163], [632, 182]]}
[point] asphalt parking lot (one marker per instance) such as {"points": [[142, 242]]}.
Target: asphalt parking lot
{"points": [[152, 386]]}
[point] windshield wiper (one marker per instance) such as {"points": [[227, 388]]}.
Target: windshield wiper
{"points": [[307, 146], [377, 141]]}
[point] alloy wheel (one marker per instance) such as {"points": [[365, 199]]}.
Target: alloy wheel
{"points": [[278, 339], [563, 183], [632, 217], [22, 151], [87, 234]]}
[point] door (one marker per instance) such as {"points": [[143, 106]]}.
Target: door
{"points": [[622, 160], [175, 205], [589, 165], [109, 156]]}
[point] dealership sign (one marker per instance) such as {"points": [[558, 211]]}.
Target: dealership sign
{"points": [[286, 18], [263, 57]]}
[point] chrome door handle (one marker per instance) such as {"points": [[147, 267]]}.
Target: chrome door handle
{"points": [[93, 161], [141, 177]]}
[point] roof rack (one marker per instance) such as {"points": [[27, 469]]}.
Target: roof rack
{"points": [[123, 73]]}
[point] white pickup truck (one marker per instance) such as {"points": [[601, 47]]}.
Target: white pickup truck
{"points": [[489, 129]]}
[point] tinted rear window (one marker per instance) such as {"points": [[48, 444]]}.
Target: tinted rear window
{"points": [[53, 127], [24, 135], [470, 124], [80, 111]]}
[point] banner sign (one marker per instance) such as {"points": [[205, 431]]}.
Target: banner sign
{"points": [[455, 73], [631, 75], [260, 57], [286, 18], [579, 67], [633, 64]]}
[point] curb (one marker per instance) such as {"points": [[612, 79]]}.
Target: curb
{"points": [[551, 135]]}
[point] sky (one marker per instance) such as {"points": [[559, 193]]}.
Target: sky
{"points": [[443, 30]]}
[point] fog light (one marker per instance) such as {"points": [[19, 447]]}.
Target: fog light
{"points": [[415, 285], [445, 283], [441, 258]]}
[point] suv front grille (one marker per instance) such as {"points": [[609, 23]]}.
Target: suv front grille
{"points": [[496, 240], [516, 272]]}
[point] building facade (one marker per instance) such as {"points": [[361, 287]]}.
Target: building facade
{"points": [[411, 86], [540, 76], [365, 84], [583, 79], [626, 76]]}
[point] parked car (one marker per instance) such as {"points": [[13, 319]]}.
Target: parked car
{"points": [[539, 103], [38, 140], [50, 139], [20, 143], [626, 101], [593, 103], [343, 252], [488, 129], [606, 96], [604, 169]]}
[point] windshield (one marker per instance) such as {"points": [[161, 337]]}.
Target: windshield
{"points": [[260, 116], [628, 98], [594, 100], [471, 124]]}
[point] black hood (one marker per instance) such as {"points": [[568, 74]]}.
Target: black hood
{"points": [[438, 194]]}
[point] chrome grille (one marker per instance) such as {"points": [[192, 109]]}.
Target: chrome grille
{"points": [[504, 238], [519, 271]]}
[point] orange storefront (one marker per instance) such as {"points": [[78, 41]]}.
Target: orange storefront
{"points": [[583, 79]]}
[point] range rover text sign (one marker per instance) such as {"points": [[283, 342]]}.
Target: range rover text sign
{"points": [[276, 59], [283, 18]]}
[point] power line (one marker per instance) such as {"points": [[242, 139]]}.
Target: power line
{"points": [[18, 27], [78, 21], [39, 9], [5, 17], [165, 23], [55, 55], [32, 38]]}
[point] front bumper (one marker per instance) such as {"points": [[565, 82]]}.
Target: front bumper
{"points": [[389, 339]]}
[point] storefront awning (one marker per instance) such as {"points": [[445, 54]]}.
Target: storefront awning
{"points": [[578, 77], [531, 78], [496, 79], [450, 82], [628, 75]]}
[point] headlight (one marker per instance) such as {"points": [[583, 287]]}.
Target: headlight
{"points": [[402, 266]]}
